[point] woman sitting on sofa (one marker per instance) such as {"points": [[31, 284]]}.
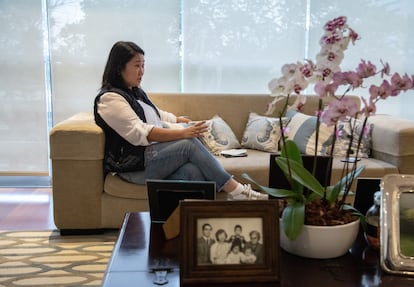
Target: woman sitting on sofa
{"points": [[135, 137]]}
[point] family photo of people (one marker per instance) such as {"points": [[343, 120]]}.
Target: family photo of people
{"points": [[229, 241]]}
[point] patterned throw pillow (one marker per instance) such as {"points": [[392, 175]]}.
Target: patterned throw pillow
{"points": [[344, 132], [219, 136], [302, 130], [261, 133]]}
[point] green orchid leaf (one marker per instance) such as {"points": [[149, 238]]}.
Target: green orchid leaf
{"points": [[333, 193], [356, 212], [276, 192], [330, 191], [293, 218], [300, 174], [290, 150], [312, 197]]}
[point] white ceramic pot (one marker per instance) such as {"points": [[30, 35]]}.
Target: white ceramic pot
{"points": [[321, 242]]}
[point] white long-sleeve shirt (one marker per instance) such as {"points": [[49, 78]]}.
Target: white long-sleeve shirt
{"points": [[118, 114]]}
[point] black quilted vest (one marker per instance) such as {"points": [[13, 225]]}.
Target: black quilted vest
{"points": [[120, 155]]}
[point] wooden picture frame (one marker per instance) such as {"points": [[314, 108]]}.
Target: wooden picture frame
{"points": [[259, 221]]}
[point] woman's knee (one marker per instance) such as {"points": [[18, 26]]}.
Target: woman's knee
{"points": [[188, 171]]}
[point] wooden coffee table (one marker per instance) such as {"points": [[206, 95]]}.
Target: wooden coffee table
{"points": [[141, 248]]}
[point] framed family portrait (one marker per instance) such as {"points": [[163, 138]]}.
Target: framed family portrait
{"points": [[229, 242]]}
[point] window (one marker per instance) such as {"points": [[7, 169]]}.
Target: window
{"points": [[53, 53]]}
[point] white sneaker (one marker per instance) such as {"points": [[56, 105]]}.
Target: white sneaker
{"points": [[249, 194]]}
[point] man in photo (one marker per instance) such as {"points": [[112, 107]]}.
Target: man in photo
{"points": [[204, 244]]}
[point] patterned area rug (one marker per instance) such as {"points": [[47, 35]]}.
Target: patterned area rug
{"points": [[44, 258]]}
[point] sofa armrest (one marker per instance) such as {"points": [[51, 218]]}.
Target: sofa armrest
{"points": [[77, 137], [392, 139], [77, 150]]}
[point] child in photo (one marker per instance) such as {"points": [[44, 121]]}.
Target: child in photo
{"points": [[248, 257], [237, 237], [234, 255]]}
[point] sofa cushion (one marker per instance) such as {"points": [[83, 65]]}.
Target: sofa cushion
{"points": [[219, 136], [261, 133], [137, 177], [302, 130], [343, 136], [256, 164], [117, 187]]}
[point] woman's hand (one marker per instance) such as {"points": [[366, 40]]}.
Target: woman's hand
{"points": [[196, 129], [183, 119]]}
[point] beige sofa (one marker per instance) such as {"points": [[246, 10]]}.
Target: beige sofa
{"points": [[84, 200]]}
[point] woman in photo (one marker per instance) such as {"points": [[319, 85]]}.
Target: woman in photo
{"points": [[220, 249]]}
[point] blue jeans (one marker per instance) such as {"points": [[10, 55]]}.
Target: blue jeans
{"points": [[186, 159]]}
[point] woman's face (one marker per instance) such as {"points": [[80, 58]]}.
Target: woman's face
{"points": [[133, 71], [221, 237]]}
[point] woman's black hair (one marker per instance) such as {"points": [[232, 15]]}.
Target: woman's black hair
{"points": [[121, 53]]}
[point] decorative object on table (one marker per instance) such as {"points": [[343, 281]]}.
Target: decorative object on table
{"points": [[314, 241], [322, 242], [364, 192], [160, 277], [252, 254], [372, 218], [397, 224], [337, 114]]}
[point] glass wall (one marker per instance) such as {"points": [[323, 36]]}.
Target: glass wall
{"points": [[234, 40], [23, 113], [53, 53], [83, 32], [385, 34]]}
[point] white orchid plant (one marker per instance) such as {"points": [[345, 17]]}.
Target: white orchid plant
{"points": [[326, 76]]}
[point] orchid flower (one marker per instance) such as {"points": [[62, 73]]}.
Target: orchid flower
{"points": [[326, 76]]}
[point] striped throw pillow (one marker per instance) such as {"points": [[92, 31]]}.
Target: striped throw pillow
{"points": [[302, 130]]}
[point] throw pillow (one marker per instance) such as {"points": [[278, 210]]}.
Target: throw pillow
{"points": [[261, 133], [344, 135], [219, 136], [302, 130]]}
